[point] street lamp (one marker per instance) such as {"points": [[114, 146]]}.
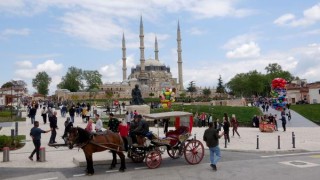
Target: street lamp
{"points": [[11, 103]]}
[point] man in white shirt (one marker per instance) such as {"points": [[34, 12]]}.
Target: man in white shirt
{"points": [[99, 125]]}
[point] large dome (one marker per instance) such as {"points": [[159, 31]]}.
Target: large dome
{"points": [[152, 62]]}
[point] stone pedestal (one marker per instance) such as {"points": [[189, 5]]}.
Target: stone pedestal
{"points": [[141, 109]]}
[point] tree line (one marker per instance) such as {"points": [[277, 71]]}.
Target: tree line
{"points": [[75, 80], [247, 84], [241, 85]]}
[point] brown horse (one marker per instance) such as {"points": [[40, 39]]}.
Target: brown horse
{"points": [[95, 143]]}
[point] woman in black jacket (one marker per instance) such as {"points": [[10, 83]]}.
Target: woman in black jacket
{"points": [[226, 126]]}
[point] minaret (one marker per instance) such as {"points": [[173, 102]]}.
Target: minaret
{"points": [[179, 50], [124, 59], [156, 50], [142, 75]]}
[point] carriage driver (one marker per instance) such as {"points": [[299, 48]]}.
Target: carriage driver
{"points": [[139, 127]]}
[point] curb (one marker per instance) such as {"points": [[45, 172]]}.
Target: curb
{"points": [[83, 163], [267, 151], [98, 162]]}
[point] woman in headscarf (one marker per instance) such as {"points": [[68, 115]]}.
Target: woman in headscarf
{"points": [[89, 126], [124, 131]]}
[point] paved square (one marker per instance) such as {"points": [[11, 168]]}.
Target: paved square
{"points": [[300, 164]]}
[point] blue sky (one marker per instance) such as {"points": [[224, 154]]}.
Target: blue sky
{"points": [[219, 37]]}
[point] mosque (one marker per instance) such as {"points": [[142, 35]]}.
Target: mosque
{"points": [[151, 75]]}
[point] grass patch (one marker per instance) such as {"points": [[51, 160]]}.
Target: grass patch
{"points": [[12, 143], [5, 116], [14, 118], [243, 114], [309, 111]]}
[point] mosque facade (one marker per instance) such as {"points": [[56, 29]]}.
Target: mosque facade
{"points": [[150, 74]]}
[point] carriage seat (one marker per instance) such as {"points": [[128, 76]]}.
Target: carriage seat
{"points": [[179, 131]]}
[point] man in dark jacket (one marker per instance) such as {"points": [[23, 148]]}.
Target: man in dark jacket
{"points": [[211, 137], [54, 127], [35, 133], [284, 122], [142, 128], [72, 111], [32, 113]]}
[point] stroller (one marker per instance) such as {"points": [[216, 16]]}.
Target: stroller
{"points": [[68, 125]]}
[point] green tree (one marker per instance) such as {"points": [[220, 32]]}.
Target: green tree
{"points": [[192, 88], [273, 68], [220, 88], [41, 82], [237, 85], [206, 92], [108, 95], [72, 80], [7, 85], [256, 83], [15, 83], [93, 79]]}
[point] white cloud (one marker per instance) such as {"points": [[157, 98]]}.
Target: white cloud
{"points": [[21, 32], [196, 31], [100, 24], [113, 72], [98, 31], [14, 32], [24, 64], [55, 80], [310, 17], [284, 19], [239, 40], [216, 8], [109, 73], [27, 72], [248, 50], [49, 66]]}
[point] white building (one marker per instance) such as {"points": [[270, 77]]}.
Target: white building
{"points": [[314, 93]]}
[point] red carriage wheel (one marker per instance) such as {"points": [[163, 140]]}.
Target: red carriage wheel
{"points": [[138, 158], [136, 155], [194, 152], [176, 152], [153, 159]]}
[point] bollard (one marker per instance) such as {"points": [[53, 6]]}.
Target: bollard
{"points": [[12, 133], [279, 142], [257, 141], [225, 141], [16, 128], [6, 151], [293, 140], [42, 154]]}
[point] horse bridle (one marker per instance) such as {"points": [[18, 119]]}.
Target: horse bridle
{"points": [[75, 142]]}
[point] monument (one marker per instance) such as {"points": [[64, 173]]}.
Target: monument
{"points": [[136, 96], [137, 102]]}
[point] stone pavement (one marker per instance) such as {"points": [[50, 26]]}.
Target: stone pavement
{"points": [[296, 119], [307, 139]]}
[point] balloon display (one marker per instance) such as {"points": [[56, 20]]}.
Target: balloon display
{"points": [[167, 96], [278, 93]]}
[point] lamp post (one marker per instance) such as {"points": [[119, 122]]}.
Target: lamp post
{"points": [[11, 103]]}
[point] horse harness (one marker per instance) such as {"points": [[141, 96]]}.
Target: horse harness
{"points": [[103, 145]]}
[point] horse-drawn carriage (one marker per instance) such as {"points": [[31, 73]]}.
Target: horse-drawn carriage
{"points": [[176, 143], [149, 149]]}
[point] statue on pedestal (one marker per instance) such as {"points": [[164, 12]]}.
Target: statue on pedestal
{"points": [[136, 96]]}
